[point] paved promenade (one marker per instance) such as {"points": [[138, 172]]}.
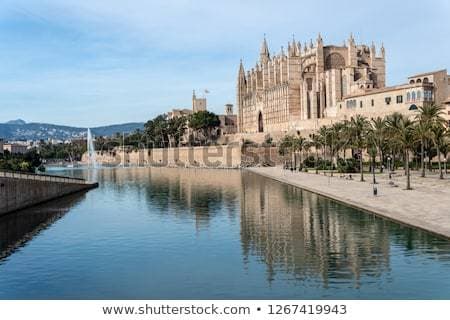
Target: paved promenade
{"points": [[427, 206]]}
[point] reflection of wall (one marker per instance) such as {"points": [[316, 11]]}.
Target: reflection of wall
{"points": [[21, 226], [180, 191], [305, 234]]}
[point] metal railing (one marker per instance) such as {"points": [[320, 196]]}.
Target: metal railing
{"points": [[40, 177]]}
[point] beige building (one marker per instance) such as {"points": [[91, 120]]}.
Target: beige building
{"points": [[14, 148], [176, 113], [316, 85], [198, 104], [228, 120]]}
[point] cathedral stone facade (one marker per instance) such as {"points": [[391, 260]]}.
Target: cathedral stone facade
{"points": [[304, 83]]}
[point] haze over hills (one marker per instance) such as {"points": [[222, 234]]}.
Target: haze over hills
{"points": [[21, 130]]}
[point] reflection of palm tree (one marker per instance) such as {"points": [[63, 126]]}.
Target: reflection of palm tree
{"points": [[297, 232]]}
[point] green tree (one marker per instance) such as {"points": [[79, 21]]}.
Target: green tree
{"points": [[378, 138], [439, 137], [204, 122], [428, 116], [316, 142], [176, 128], [401, 130], [358, 130], [156, 131]]}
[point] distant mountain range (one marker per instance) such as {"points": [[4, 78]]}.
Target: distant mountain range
{"points": [[21, 130]]}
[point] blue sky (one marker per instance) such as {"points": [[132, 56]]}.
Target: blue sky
{"points": [[96, 62]]}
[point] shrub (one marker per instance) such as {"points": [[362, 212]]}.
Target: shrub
{"points": [[347, 165], [309, 162]]}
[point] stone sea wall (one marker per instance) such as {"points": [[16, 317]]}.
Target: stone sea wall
{"points": [[18, 191]]}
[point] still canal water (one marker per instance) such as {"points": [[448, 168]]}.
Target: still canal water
{"points": [[172, 233]]}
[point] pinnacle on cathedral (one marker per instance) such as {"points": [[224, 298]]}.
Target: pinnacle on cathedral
{"points": [[264, 52]]}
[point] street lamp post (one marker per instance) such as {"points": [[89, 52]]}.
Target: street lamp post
{"points": [[389, 166], [445, 166]]}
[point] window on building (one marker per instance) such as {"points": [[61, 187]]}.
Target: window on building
{"points": [[425, 80], [413, 96], [309, 83], [408, 97], [419, 95], [372, 102], [387, 100], [399, 99], [360, 104]]}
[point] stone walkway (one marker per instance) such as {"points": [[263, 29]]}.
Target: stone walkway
{"points": [[427, 206]]}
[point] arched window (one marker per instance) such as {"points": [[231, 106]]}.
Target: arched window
{"points": [[411, 81], [419, 95], [413, 107], [419, 81], [260, 123], [425, 80], [334, 61], [413, 96], [408, 97]]}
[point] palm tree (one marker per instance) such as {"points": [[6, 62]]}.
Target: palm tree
{"points": [[428, 116], [359, 127], [324, 138], [394, 122], [286, 147], [378, 131], [372, 150], [423, 134], [439, 136], [445, 148], [401, 130], [298, 144], [316, 142]]}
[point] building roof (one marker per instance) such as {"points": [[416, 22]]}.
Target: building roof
{"points": [[387, 89], [427, 73]]}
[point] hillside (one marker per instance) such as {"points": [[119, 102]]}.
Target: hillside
{"points": [[20, 130]]}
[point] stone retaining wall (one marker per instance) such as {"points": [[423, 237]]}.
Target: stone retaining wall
{"points": [[18, 191]]}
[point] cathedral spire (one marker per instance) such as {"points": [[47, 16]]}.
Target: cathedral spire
{"points": [[319, 38], [351, 40], [264, 52], [241, 67]]}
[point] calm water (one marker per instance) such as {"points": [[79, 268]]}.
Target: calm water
{"points": [[169, 233]]}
